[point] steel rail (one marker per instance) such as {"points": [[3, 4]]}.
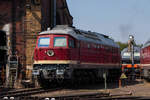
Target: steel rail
{"points": [[23, 93]]}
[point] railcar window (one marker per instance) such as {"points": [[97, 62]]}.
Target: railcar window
{"points": [[137, 54], [43, 41], [78, 45], [71, 43], [88, 45], [60, 42], [94, 46]]}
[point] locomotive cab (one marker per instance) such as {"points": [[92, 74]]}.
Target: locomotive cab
{"points": [[53, 55], [58, 45]]}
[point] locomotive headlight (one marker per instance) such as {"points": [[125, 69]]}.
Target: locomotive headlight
{"points": [[60, 71], [50, 53]]}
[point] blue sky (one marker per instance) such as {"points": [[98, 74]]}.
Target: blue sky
{"points": [[116, 18]]}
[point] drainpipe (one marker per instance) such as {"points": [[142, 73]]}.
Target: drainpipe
{"points": [[48, 11]]}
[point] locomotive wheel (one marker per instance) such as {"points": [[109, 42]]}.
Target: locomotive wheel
{"points": [[59, 81], [43, 82]]}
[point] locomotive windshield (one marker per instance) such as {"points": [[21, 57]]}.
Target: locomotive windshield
{"points": [[60, 42], [43, 41]]}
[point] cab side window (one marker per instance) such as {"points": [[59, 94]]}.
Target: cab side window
{"points": [[71, 43]]}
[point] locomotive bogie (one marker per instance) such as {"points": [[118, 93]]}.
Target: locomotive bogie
{"points": [[146, 73]]}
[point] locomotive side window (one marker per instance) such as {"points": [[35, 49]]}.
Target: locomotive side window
{"points": [[71, 43], [43, 41], [60, 42], [88, 45], [78, 44]]}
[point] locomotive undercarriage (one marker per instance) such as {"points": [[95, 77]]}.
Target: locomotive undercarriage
{"points": [[94, 75], [65, 73], [52, 72], [146, 73]]}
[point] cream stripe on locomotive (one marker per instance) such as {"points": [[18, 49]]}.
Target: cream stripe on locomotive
{"points": [[145, 64], [70, 62], [55, 62], [109, 64]]}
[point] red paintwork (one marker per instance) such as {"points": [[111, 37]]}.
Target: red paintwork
{"points": [[83, 54], [145, 55], [61, 53]]}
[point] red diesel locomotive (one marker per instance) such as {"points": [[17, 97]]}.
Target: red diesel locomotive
{"points": [[145, 59], [67, 53]]}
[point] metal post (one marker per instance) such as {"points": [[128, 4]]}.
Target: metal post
{"points": [[53, 13], [48, 8], [13, 34], [133, 61], [132, 55], [105, 80]]}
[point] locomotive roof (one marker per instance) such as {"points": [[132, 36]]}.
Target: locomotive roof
{"points": [[146, 44], [127, 57], [136, 49], [82, 35]]}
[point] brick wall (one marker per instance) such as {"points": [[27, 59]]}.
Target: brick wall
{"points": [[32, 28]]}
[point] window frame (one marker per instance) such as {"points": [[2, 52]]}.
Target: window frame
{"points": [[60, 46], [43, 46], [74, 43]]}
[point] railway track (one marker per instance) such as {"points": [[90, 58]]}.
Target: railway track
{"points": [[97, 96], [25, 92], [73, 94], [63, 97]]}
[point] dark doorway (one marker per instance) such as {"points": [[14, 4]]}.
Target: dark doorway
{"points": [[3, 56]]}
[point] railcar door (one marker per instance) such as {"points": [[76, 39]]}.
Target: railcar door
{"points": [[74, 50]]}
